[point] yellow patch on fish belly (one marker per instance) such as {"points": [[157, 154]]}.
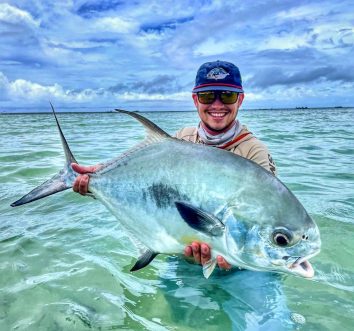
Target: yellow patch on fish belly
{"points": [[187, 240]]}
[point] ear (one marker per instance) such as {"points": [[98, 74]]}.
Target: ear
{"points": [[241, 96], [195, 99]]}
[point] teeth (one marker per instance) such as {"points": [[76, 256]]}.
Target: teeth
{"points": [[217, 114]]}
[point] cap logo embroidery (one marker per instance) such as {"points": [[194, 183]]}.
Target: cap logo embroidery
{"points": [[217, 73]]}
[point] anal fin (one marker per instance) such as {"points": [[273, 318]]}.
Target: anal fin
{"points": [[144, 260], [208, 268]]}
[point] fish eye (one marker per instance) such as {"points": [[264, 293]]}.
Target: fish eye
{"points": [[282, 237]]}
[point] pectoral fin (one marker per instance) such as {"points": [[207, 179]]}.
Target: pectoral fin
{"points": [[200, 220], [144, 260], [208, 268]]}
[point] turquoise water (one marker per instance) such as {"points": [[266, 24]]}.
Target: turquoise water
{"points": [[64, 260]]}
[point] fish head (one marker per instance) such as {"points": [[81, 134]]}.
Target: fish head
{"points": [[273, 246]]}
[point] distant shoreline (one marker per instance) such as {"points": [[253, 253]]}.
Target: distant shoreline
{"points": [[14, 112]]}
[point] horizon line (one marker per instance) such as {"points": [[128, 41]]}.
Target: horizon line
{"points": [[161, 111]]}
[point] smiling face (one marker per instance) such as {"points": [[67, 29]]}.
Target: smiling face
{"points": [[217, 116]]}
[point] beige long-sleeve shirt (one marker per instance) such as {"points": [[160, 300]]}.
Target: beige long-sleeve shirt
{"points": [[245, 145]]}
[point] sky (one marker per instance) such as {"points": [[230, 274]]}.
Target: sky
{"points": [[143, 55]]}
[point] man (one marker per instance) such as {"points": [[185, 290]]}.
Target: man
{"points": [[217, 95]]}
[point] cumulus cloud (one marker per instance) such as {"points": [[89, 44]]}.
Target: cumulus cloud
{"points": [[100, 51], [161, 84], [179, 96], [277, 76], [15, 16], [115, 24], [31, 92]]}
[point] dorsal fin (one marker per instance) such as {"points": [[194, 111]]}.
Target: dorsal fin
{"points": [[154, 133], [68, 154]]}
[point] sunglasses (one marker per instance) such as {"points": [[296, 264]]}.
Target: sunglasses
{"points": [[226, 97]]}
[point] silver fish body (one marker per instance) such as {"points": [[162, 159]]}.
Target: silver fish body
{"points": [[141, 189], [168, 193]]}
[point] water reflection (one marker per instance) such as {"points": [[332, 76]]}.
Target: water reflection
{"points": [[249, 300]]}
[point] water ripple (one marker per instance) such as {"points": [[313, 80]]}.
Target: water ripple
{"points": [[64, 260]]}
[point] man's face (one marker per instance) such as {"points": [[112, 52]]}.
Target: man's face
{"points": [[217, 115]]}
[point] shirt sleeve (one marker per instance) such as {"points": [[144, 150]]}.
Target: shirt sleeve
{"points": [[259, 153], [178, 134], [187, 134]]}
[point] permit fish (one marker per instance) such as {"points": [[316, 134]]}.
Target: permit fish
{"points": [[167, 193]]}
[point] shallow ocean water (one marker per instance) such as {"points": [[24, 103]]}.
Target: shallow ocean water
{"points": [[64, 260]]}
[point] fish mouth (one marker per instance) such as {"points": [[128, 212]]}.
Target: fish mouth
{"points": [[301, 266]]}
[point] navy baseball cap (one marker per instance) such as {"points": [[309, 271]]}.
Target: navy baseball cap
{"points": [[218, 75]]}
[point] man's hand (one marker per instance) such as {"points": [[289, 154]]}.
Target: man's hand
{"points": [[82, 181], [201, 254]]}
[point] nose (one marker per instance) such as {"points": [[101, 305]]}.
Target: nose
{"points": [[217, 103]]}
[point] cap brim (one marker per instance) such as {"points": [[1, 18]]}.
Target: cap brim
{"points": [[217, 88]]}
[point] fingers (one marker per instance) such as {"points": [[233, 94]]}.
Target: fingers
{"points": [[188, 251], [81, 184], [193, 251], [222, 263], [196, 252], [84, 169], [205, 255], [199, 252]]}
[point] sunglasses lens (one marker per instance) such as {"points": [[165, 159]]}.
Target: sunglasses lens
{"points": [[207, 97], [228, 97]]}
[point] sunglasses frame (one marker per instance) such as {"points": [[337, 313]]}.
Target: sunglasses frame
{"points": [[217, 94]]}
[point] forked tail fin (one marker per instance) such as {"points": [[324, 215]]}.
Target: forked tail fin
{"points": [[60, 182]]}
